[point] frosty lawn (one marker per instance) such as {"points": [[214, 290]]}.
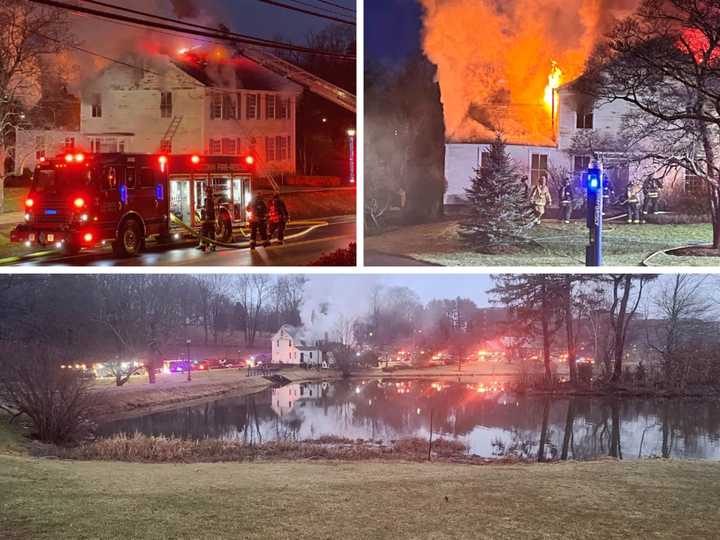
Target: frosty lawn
{"points": [[554, 244]]}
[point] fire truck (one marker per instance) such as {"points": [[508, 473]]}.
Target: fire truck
{"points": [[82, 200]]}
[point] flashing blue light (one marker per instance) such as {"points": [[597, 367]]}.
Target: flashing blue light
{"points": [[123, 193], [159, 192], [51, 212], [593, 182]]}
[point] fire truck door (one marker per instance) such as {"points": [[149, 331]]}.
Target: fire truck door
{"points": [[148, 200], [112, 187], [180, 200]]}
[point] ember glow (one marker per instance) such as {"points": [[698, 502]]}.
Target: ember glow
{"points": [[554, 80], [495, 59]]}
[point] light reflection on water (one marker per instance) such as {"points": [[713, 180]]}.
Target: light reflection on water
{"points": [[485, 416]]}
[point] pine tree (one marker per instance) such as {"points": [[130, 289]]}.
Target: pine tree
{"points": [[499, 211]]}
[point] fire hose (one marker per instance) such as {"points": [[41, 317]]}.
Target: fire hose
{"points": [[311, 226]]}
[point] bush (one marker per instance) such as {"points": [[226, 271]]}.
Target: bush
{"points": [[58, 401], [340, 257]]}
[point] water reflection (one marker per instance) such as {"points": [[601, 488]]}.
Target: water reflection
{"points": [[490, 420]]}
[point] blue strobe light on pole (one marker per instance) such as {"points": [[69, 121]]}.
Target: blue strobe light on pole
{"points": [[594, 185]]}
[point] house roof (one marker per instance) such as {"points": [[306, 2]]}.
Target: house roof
{"points": [[237, 72]]}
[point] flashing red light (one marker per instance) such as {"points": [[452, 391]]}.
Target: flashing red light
{"points": [[29, 202], [162, 160], [79, 158], [79, 202], [69, 158], [250, 160], [88, 237], [195, 159], [42, 159]]}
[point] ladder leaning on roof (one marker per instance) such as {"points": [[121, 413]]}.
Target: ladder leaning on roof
{"points": [[298, 75]]}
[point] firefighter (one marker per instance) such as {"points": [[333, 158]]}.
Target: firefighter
{"points": [[278, 218], [633, 200], [257, 216], [651, 194], [608, 191], [567, 196], [539, 198], [207, 229]]}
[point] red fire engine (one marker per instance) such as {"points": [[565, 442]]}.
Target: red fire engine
{"points": [[81, 200]]}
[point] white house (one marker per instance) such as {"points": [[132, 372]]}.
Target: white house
{"points": [[294, 395], [290, 345], [541, 145], [188, 104]]}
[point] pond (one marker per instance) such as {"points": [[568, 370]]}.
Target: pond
{"points": [[491, 421]]}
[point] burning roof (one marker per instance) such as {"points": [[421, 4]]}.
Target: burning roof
{"points": [[499, 60]]}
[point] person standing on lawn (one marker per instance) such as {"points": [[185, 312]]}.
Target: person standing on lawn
{"points": [[633, 199], [257, 214], [567, 201], [540, 198]]}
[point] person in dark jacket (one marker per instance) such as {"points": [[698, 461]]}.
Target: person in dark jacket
{"points": [[651, 193], [257, 215], [278, 218], [207, 229], [567, 199]]}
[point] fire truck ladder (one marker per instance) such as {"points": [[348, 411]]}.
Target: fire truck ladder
{"points": [[170, 132], [307, 80]]}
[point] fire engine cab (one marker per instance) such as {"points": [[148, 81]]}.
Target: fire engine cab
{"points": [[82, 200]]}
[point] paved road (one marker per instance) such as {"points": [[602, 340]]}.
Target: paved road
{"points": [[339, 232], [378, 258]]}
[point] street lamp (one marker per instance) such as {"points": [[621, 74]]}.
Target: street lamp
{"points": [[351, 155], [189, 363]]}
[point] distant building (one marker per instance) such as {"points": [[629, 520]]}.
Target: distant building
{"points": [[290, 345]]}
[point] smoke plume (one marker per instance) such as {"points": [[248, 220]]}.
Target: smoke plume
{"points": [[494, 58]]}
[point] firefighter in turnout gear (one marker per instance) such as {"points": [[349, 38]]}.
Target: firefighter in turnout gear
{"points": [[651, 194], [278, 218], [207, 229], [540, 198], [634, 201], [567, 197], [608, 192], [257, 213]]}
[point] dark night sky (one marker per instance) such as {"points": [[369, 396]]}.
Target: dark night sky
{"points": [[392, 29]]}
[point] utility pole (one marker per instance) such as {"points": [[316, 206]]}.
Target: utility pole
{"points": [[595, 184]]}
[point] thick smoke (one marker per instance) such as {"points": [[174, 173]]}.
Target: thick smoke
{"points": [[495, 53], [185, 9]]}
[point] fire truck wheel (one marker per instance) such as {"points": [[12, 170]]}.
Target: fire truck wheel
{"points": [[72, 248], [130, 240], [224, 232]]}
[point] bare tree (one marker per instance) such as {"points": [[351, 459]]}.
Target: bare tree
{"points": [[252, 292], [27, 32], [665, 62], [58, 401]]}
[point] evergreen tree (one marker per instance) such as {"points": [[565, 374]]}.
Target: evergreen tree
{"points": [[500, 211]]}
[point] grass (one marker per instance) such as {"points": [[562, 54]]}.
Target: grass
{"points": [[607, 499], [555, 244], [14, 199], [315, 204]]}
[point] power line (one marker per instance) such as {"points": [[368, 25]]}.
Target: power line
{"points": [[216, 34], [306, 11], [176, 21], [330, 11], [336, 5]]}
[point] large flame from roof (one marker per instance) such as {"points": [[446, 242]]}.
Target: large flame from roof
{"points": [[492, 59]]}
